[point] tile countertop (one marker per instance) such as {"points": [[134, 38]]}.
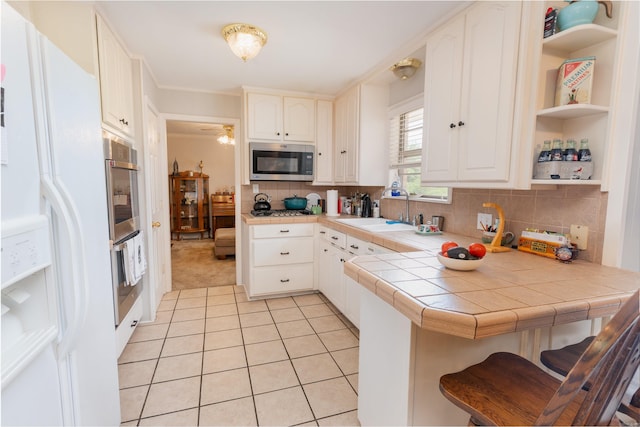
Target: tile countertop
{"points": [[511, 291]]}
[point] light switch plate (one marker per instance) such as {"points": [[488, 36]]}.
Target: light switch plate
{"points": [[579, 235], [256, 188], [484, 218]]}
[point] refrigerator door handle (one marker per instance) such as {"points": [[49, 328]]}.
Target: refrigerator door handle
{"points": [[63, 206]]}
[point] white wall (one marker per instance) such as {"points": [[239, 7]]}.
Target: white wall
{"points": [[218, 159]]}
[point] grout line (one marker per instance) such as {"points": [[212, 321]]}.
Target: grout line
{"points": [[275, 324]]}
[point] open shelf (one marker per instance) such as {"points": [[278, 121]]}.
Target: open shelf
{"points": [[573, 111], [579, 37]]}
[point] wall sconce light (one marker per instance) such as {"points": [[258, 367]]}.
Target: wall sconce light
{"points": [[227, 138], [244, 40], [406, 68]]}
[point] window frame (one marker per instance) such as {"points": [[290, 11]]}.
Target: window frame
{"points": [[393, 113]]}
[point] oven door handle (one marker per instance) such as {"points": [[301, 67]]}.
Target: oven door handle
{"points": [[122, 165], [63, 206]]}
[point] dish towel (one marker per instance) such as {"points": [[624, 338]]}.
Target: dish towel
{"points": [[128, 264], [135, 262], [140, 261]]}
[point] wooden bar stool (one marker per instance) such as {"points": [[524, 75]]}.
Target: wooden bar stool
{"points": [[563, 359], [507, 389]]}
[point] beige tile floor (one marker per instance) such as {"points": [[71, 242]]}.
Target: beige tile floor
{"points": [[212, 358]]}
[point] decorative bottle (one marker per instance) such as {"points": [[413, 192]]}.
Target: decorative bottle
{"points": [[556, 151], [584, 155], [545, 154]]}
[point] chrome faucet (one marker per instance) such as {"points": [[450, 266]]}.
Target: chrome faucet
{"points": [[406, 218]]}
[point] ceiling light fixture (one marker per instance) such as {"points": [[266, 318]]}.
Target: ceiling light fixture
{"points": [[406, 68], [228, 138], [244, 40]]}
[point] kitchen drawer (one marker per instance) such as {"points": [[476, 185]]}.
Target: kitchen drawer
{"points": [[282, 251], [334, 237], [360, 247], [275, 279], [268, 231]]}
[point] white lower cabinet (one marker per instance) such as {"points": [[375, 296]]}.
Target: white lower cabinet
{"points": [[281, 259], [335, 249]]}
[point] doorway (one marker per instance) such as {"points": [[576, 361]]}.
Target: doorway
{"points": [[206, 149]]}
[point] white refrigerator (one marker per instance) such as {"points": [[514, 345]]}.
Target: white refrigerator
{"points": [[59, 361]]}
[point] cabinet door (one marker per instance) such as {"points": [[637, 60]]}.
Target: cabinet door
{"points": [[336, 290], [324, 142], [443, 73], [352, 137], [264, 116], [299, 119], [470, 77], [116, 87], [324, 270], [347, 125], [340, 141], [488, 88]]}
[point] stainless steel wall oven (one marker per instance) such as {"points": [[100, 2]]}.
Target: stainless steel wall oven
{"points": [[124, 222]]}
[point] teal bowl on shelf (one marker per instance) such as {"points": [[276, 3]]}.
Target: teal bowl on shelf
{"points": [[577, 13]]}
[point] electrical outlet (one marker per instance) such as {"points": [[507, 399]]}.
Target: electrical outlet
{"points": [[256, 188], [484, 219], [579, 235]]}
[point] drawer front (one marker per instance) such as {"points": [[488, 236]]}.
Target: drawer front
{"points": [[268, 231], [360, 247], [270, 280], [334, 237], [282, 251]]}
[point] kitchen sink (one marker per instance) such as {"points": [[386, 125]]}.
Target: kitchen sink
{"points": [[376, 225]]}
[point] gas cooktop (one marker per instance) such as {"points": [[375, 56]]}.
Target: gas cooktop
{"points": [[281, 212]]}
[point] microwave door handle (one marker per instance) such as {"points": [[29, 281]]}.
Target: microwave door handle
{"points": [[61, 203]]}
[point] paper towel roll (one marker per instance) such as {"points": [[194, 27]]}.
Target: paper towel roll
{"points": [[332, 202]]}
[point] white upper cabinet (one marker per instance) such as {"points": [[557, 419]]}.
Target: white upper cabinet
{"points": [[470, 88], [116, 82], [299, 119], [324, 142], [278, 118], [361, 136]]}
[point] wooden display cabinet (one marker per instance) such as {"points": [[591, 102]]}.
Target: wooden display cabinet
{"points": [[190, 204]]}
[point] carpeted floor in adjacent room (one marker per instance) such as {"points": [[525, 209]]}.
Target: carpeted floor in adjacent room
{"points": [[194, 265]]}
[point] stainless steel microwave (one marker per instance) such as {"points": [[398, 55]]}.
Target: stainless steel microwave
{"points": [[281, 162]]}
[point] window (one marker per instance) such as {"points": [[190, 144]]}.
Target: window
{"points": [[405, 143]]}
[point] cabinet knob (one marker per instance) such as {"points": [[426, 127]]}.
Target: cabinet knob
{"points": [[452, 125], [319, 154], [343, 151], [286, 134], [354, 246], [284, 280], [277, 133], [284, 253], [460, 123], [155, 224]]}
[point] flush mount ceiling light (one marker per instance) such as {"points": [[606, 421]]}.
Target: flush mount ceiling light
{"points": [[244, 40], [406, 68], [228, 138]]}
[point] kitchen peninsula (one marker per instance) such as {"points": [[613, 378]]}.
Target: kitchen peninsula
{"points": [[419, 320]]}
